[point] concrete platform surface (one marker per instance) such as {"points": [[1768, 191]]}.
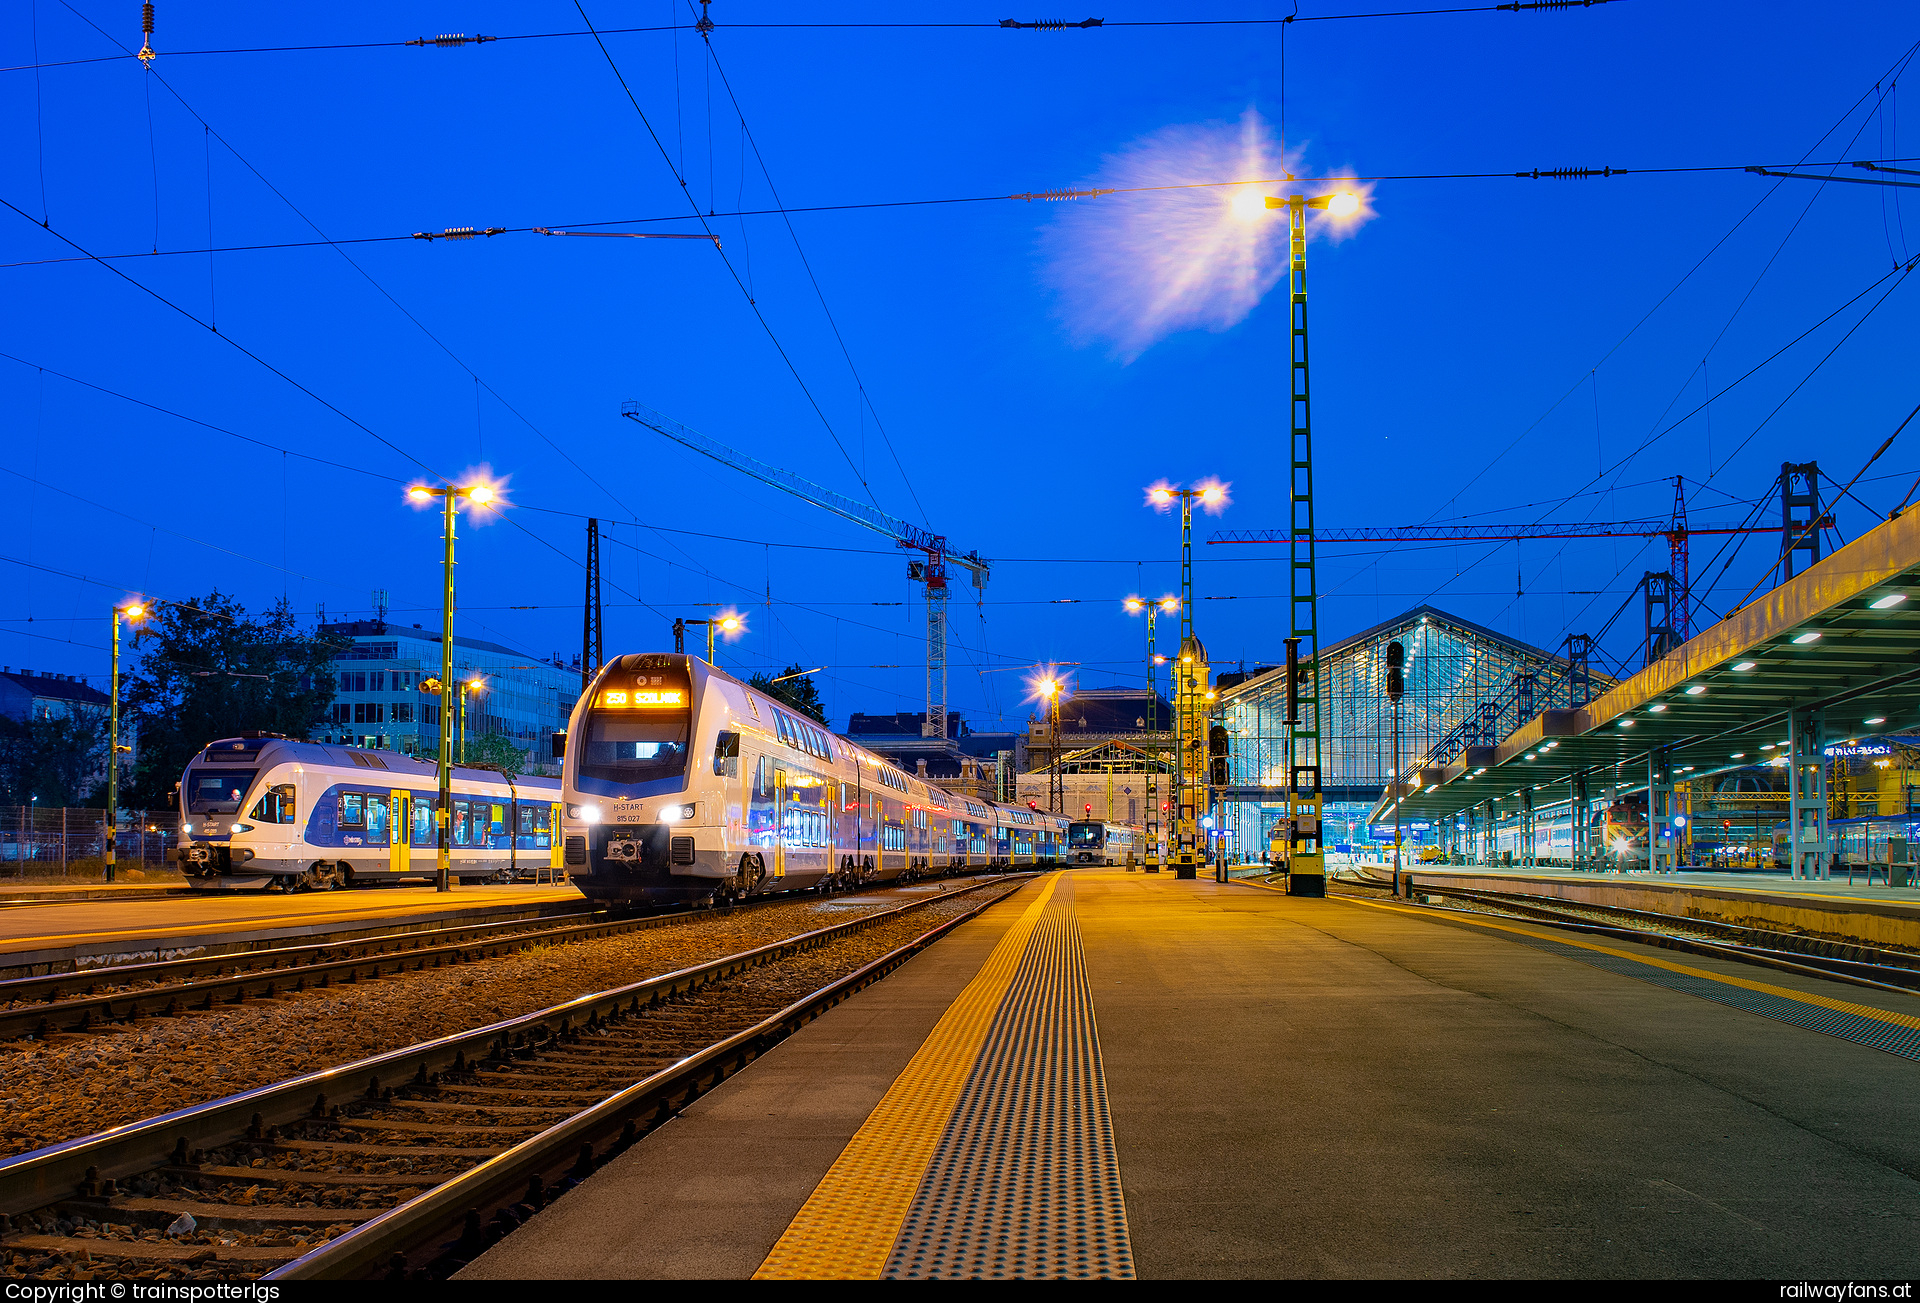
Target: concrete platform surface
{"points": [[1297, 1088], [83, 931]]}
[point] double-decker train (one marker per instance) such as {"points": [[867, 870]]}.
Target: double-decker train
{"points": [[681, 783], [1100, 841], [263, 810]]}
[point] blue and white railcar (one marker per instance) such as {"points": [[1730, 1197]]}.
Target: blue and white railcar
{"points": [[262, 810], [1102, 841], [684, 784]]}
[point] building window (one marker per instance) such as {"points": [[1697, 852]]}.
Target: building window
{"points": [[377, 681], [403, 712]]}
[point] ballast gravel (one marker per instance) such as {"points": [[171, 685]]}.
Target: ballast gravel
{"points": [[80, 1084]]}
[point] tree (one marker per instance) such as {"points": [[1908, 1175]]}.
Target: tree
{"points": [[798, 691], [497, 751], [59, 758], [209, 670]]}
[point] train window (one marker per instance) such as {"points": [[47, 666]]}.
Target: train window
{"points": [[462, 824], [423, 829], [726, 754], [376, 819], [275, 805], [353, 810], [533, 818], [497, 821], [893, 839], [782, 726]]}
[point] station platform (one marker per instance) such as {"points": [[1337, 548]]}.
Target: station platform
{"points": [[1117, 1074], [1878, 914], [64, 935]]}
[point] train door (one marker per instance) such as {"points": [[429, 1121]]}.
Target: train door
{"points": [[400, 855], [779, 823]]}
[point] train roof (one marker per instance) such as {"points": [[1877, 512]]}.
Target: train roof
{"points": [[259, 749]]}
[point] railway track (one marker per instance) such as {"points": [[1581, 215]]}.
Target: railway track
{"points": [[1811, 956], [58, 1003], [410, 1163]]}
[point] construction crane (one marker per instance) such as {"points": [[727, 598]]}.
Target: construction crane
{"points": [[931, 572], [1673, 586]]}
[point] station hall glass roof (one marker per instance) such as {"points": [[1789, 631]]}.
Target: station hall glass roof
{"points": [[1454, 667], [1842, 639]]}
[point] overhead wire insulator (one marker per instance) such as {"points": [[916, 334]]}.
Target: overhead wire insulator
{"points": [[459, 233], [1570, 173], [1554, 4], [450, 39], [1051, 24], [146, 55], [1053, 196]]}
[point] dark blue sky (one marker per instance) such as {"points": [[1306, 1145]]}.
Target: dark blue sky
{"points": [[1467, 338]]}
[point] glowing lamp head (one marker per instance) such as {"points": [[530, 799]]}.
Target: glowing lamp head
{"points": [[1248, 206], [1160, 495], [419, 493], [1169, 604], [475, 684], [136, 611], [1343, 204], [1134, 605], [480, 494]]}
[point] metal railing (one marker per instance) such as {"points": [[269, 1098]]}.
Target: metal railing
{"points": [[39, 842]]}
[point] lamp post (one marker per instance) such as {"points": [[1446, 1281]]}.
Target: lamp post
{"points": [[1056, 787], [450, 497], [727, 624], [1306, 860], [1212, 496], [134, 613], [1135, 606]]}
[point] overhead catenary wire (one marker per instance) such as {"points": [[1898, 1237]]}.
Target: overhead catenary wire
{"points": [[788, 211], [453, 40]]}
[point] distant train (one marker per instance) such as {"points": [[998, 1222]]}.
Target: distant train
{"points": [[1098, 841], [1857, 841], [265, 810], [681, 783]]}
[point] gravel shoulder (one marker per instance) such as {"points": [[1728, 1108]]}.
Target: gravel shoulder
{"points": [[77, 1085]]}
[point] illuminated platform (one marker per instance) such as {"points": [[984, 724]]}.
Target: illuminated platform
{"points": [[1117, 1074]]}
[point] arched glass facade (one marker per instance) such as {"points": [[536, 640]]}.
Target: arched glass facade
{"points": [[1455, 669]]}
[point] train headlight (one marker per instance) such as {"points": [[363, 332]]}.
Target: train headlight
{"points": [[584, 813], [676, 813], [242, 827]]}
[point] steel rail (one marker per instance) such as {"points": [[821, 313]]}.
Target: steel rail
{"points": [[418, 1229], [88, 1166], [298, 967], [54, 986]]}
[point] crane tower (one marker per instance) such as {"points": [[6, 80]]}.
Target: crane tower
{"points": [[931, 572]]}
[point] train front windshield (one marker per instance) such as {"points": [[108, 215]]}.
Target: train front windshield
{"points": [[217, 791], [1086, 836], [637, 735]]}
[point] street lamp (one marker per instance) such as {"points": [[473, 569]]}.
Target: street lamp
{"points": [[728, 624], [1135, 606], [1212, 497], [134, 612], [451, 496], [1049, 687]]}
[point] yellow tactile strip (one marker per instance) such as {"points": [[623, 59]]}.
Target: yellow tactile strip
{"points": [[1026, 1182], [847, 1227]]}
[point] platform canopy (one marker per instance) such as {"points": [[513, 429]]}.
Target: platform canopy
{"points": [[1843, 638]]}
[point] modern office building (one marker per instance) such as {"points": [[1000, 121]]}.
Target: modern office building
{"points": [[379, 702]]}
